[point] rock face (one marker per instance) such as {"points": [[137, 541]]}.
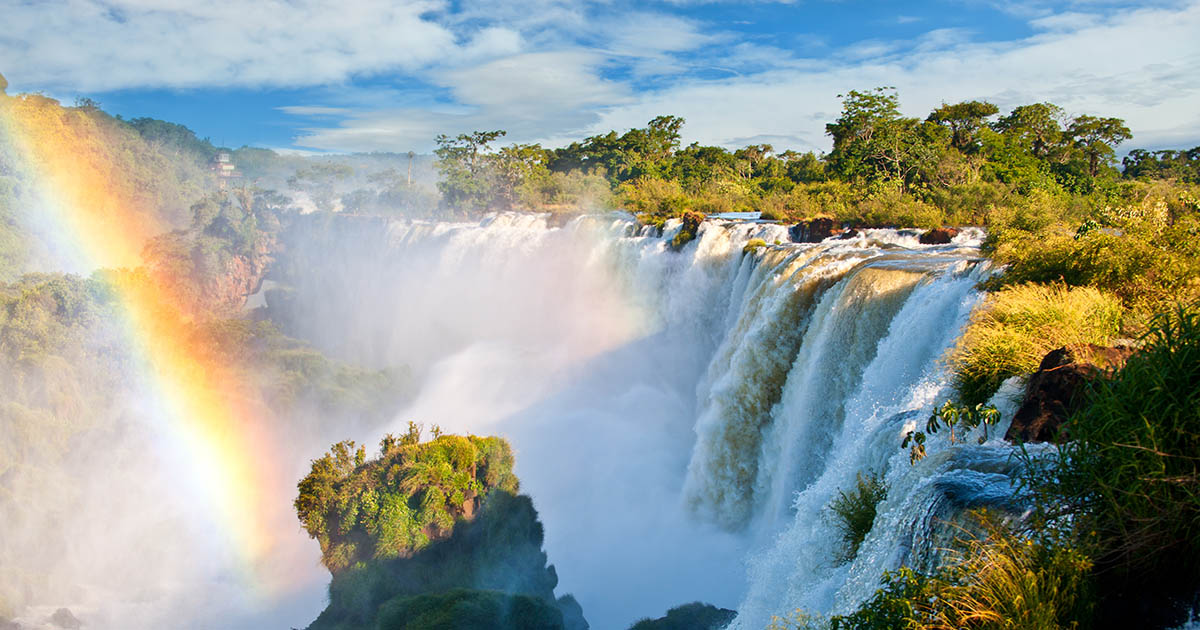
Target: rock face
{"points": [[812, 231], [242, 277], [937, 236], [1055, 390]]}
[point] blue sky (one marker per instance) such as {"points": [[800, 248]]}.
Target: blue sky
{"points": [[380, 75]]}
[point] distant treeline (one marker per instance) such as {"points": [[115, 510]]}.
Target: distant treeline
{"points": [[884, 168]]}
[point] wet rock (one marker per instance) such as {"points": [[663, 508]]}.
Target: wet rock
{"points": [[848, 234], [812, 231], [1055, 391], [937, 236], [63, 618]]}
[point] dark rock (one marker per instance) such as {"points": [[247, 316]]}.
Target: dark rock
{"points": [[1055, 391], [64, 619], [937, 236], [812, 231], [848, 234]]}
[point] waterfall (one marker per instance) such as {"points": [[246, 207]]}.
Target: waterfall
{"points": [[682, 419]]}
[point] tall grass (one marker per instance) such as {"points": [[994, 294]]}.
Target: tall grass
{"points": [[1129, 484], [991, 581], [1001, 581], [1015, 328]]}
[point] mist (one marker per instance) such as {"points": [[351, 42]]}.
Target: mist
{"points": [[580, 345]]}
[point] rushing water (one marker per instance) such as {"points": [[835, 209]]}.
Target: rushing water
{"points": [[681, 419]]}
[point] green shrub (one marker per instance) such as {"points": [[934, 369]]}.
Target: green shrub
{"points": [[693, 616], [752, 245], [854, 512], [395, 505], [654, 196], [1128, 486], [462, 608], [901, 602], [1015, 328], [1145, 250], [890, 207], [993, 581], [999, 581]]}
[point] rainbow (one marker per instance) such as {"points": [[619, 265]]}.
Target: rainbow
{"points": [[218, 430]]}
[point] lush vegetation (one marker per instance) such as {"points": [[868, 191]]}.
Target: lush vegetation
{"points": [[462, 608], [1125, 489], [430, 534], [965, 163], [396, 504], [993, 581], [1017, 325], [693, 616], [853, 512], [158, 169]]}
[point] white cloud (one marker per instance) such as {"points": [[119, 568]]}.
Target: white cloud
{"points": [[554, 70], [97, 45], [529, 95], [1142, 65]]}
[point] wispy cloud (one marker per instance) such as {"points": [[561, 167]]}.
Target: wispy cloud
{"points": [[391, 75], [96, 45]]}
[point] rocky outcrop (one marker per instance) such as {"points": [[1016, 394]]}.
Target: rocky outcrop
{"points": [[937, 236], [1055, 391], [62, 618], [812, 231], [242, 277]]}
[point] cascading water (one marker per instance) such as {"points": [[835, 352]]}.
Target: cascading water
{"points": [[677, 416]]}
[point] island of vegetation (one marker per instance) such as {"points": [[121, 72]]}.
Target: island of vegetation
{"points": [[430, 535]]}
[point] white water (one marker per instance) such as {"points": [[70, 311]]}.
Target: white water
{"points": [[681, 419]]}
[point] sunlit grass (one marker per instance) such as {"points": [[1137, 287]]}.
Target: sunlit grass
{"points": [[1015, 328]]}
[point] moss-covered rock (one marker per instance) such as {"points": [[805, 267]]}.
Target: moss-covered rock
{"points": [[395, 505], [500, 549], [461, 608]]}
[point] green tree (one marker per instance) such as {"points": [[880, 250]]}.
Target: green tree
{"points": [[803, 167], [173, 138], [1183, 166], [873, 142], [640, 152], [520, 168], [1097, 139], [319, 181], [465, 163], [866, 118], [1037, 127], [964, 120]]}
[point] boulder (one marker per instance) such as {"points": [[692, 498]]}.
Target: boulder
{"points": [[63, 618], [1054, 392], [812, 231], [937, 236]]}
